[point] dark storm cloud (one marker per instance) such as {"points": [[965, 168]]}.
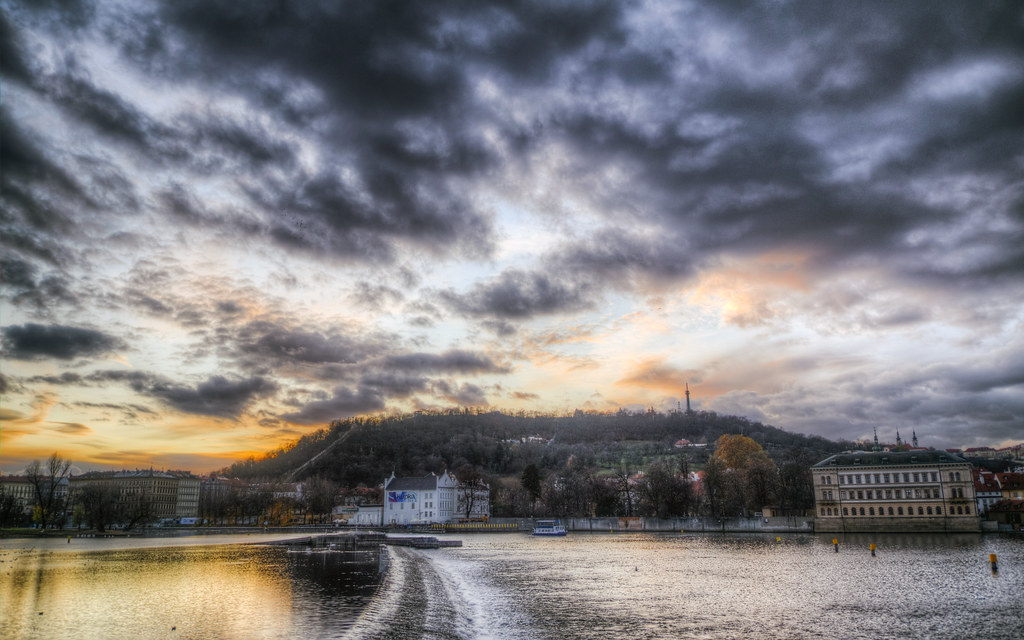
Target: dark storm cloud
{"points": [[395, 80], [37, 342], [66, 378], [207, 143], [449, 362], [280, 345], [374, 295], [344, 403], [16, 273], [517, 294], [466, 394], [618, 257], [394, 384], [218, 396], [16, 67], [247, 141], [112, 116], [10, 385], [25, 165], [739, 168]]}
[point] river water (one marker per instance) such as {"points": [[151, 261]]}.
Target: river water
{"points": [[520, 587]]}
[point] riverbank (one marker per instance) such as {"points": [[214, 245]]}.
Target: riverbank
{"points": [[652, 525]]}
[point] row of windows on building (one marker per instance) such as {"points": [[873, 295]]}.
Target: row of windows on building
{"points": [[897, 511], [891, 494], [892, 478]]}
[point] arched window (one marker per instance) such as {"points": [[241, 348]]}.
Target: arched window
{"points": [[938, 510], [960, 510], [967, 510], [822, 511], [845, 512], [890, 511], [929, 511], [899, 511], [871, 511], [920, 511], [862, 511]]}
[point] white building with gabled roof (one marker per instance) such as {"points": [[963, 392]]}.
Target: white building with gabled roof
{"points": [[422, 500]]}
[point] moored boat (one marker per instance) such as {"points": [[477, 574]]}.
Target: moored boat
{"points": [[549, 528]]}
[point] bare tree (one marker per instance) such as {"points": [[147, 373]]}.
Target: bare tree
{"points": [[47, 483], [319, 496], [624, 482], [471, 484], [10, 508], [100, 505]]}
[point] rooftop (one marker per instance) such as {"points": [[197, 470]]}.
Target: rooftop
{"points": [[889, 458], [425, 483]]}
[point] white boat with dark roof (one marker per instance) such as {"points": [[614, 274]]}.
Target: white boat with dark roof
{"points": [[549, 528]]}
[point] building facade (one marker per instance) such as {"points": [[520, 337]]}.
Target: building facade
{"points": [[1011, 485], [22, 490], [187, 505], [433, 499], [986, 489], [894, 491], [147, 495]]}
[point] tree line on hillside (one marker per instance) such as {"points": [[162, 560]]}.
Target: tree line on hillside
{"points": [[502, 445], [622, 464], [738, 479]]}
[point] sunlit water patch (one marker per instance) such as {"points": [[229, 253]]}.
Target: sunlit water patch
{"points": [[221, 591]]}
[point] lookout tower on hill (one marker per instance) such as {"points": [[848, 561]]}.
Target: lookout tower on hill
{"points": [[688, 409]]}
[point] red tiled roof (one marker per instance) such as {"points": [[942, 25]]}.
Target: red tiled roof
{"points": [[1011, 480], [1012, 504]]}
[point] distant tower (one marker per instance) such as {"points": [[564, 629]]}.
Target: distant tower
{"points": [[877, 446], [899, 440], [915, 438], [688, 410]]}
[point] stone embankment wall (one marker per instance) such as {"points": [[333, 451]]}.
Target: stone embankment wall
{"points": [[686, 525], [901, 525]]}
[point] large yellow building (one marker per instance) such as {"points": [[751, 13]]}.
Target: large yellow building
{"points": [[156, 494], [894, 491]]}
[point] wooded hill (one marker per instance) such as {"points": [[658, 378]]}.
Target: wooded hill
{"points": [[364, 451]]}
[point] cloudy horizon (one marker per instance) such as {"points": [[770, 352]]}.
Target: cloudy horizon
{"points": [[226, 224]]}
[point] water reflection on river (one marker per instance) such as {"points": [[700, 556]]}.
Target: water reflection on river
{"points": [[194, 591], [520, 587]]}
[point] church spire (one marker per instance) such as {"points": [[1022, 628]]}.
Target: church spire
{"points": [[899, 440], [877, 447], [915, 438]]}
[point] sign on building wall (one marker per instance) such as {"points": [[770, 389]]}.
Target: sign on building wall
{"points": [[401, 496]]}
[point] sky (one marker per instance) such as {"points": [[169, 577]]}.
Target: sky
{"points": [[225, 224]]}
